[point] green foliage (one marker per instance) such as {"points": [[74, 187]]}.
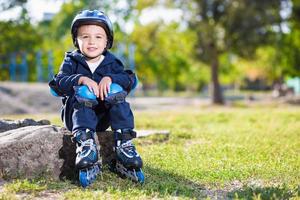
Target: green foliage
{"points": [[61, 23], [288, 44], [145, 4], [229, 72], [236, 26], [289, 52], [264, 66], [18, 38], [166, 58], [12, 41], [295, 18], [57, 33]]}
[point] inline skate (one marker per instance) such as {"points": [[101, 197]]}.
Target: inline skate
{"points": [[87, 157], [128, 163]]}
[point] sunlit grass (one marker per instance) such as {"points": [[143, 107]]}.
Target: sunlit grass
{"points": [[209, 149]]}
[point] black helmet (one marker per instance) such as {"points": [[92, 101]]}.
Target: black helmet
{"points": [[97, 17]]}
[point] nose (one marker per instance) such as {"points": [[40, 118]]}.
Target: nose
{"points": [[91, 40]]}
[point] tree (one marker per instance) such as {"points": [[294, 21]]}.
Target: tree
{"points": [[236, 26], [290, 43], [16, 40]]}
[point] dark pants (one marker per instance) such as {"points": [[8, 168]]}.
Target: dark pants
{"points": [[100, 117]]}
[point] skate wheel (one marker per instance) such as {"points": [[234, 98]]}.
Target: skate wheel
{"points": [[122, 176], [140, 176], [83, 178], [112, 166], [88, 176]]}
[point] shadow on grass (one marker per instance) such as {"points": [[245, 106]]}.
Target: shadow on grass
{"points": [[168, 184], [158, 182], [163, 184], [280, 192]]}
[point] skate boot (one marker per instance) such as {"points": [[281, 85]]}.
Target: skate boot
{"points": [[128, 162], [87, 156]]}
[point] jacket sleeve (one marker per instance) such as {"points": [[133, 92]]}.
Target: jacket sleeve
{"points": [[67, 77], [120, 76]]}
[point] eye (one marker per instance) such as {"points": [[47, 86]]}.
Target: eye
{"points": [[82, 37]]}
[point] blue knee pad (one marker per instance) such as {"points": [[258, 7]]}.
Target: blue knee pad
{"points": [[115, 95], [52, 91], [85, 96], [133, 80]]}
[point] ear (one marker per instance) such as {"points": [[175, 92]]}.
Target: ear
{"points": [[105, 48], [76, 43]]}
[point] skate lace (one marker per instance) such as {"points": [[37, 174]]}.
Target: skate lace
{"points": [[128, 146], [87, 143]]}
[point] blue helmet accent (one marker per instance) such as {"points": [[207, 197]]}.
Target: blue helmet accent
{"points": [[84, 92], [53, 93], [114, 88]]}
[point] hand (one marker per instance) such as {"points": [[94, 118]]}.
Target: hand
{"points": [[92, 85], [104, 86]]}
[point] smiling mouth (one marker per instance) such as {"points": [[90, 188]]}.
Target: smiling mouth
{"points": [[92, 49]]}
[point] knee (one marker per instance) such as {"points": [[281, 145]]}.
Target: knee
{"points": [[115, 95], [85, 97]]}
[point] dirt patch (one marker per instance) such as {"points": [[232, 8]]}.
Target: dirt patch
{"points": [[26, 98]]}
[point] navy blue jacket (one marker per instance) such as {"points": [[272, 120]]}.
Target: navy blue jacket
{"points": [[74, 67]]}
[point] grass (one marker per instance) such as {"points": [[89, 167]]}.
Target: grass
{"points": [[235, 153]]}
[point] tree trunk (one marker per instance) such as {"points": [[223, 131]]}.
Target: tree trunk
{"points": [[217, 96]]}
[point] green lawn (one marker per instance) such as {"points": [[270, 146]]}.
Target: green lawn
{"points": [[243, 153]]}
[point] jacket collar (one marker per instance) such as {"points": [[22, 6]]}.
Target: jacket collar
{"points": [[79, 57]]}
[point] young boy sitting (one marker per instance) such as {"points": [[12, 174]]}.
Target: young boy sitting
{"points": [[85, 80]]}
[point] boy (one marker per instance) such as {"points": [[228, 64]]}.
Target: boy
{"points": [[85, 79]]}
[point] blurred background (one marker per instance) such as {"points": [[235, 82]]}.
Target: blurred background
{"points": [[212, 50]]}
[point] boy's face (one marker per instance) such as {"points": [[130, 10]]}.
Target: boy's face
{"points": [[92, 41]]}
